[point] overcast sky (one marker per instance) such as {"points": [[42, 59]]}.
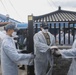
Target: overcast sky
{"points": [[20, 9]]}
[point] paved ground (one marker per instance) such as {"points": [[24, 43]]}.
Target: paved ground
{"points": [[61, 67], [21, 72]]}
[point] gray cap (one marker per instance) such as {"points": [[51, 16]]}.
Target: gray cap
{"points": [[45, 25], [10, 26]]}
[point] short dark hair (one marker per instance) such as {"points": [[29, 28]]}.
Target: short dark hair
{"points": [[10, 26]]}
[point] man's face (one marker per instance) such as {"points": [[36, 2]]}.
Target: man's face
{"points": [[10, 31], [44, 30]]}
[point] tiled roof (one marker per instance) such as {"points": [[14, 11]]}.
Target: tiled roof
{"points": [[3, 23], [57, 16], [3, 18]]}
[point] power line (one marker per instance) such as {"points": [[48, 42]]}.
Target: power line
{"points": [[52, 3], [14, 9], [3, 5], [49, 4]]}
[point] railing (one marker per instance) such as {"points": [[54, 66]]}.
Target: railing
{"points": [[64, 47], [66, 37]]}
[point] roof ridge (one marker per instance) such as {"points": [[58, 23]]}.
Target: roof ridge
{"points": [[4, 18], [57, 11]]}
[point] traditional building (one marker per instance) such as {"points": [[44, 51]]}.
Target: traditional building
{"points": [[5, 20], [57, 19]]}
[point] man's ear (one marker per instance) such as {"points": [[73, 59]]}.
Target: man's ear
{"points": [[8, 29]]}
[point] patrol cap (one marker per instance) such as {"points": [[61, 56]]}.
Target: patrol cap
{"points": [[44, 25], [10, 26]]}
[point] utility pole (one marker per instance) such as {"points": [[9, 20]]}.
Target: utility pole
{"points": [[7, 17], [30, 46]]}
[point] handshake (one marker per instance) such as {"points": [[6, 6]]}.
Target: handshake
{"points": [[55, 51]]}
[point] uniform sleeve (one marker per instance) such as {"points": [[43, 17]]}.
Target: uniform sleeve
{"points": [[12, 53], [70, 53], [38, 44]]}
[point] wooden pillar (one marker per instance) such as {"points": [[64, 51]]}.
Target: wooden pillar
{"points": [[59, 33], [55, 30], [64, 32], [30, 46], [69, 30], [73, 31]]}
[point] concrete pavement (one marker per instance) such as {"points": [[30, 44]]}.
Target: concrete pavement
{"points": [[20, 72]]}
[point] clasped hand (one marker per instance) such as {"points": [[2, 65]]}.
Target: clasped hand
{"points": [[55, 51]]}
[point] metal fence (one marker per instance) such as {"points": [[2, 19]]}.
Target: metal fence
{"points": [[64, 32], [54, 28]]}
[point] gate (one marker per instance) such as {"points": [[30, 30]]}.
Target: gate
{"points": [[54, 28]]}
